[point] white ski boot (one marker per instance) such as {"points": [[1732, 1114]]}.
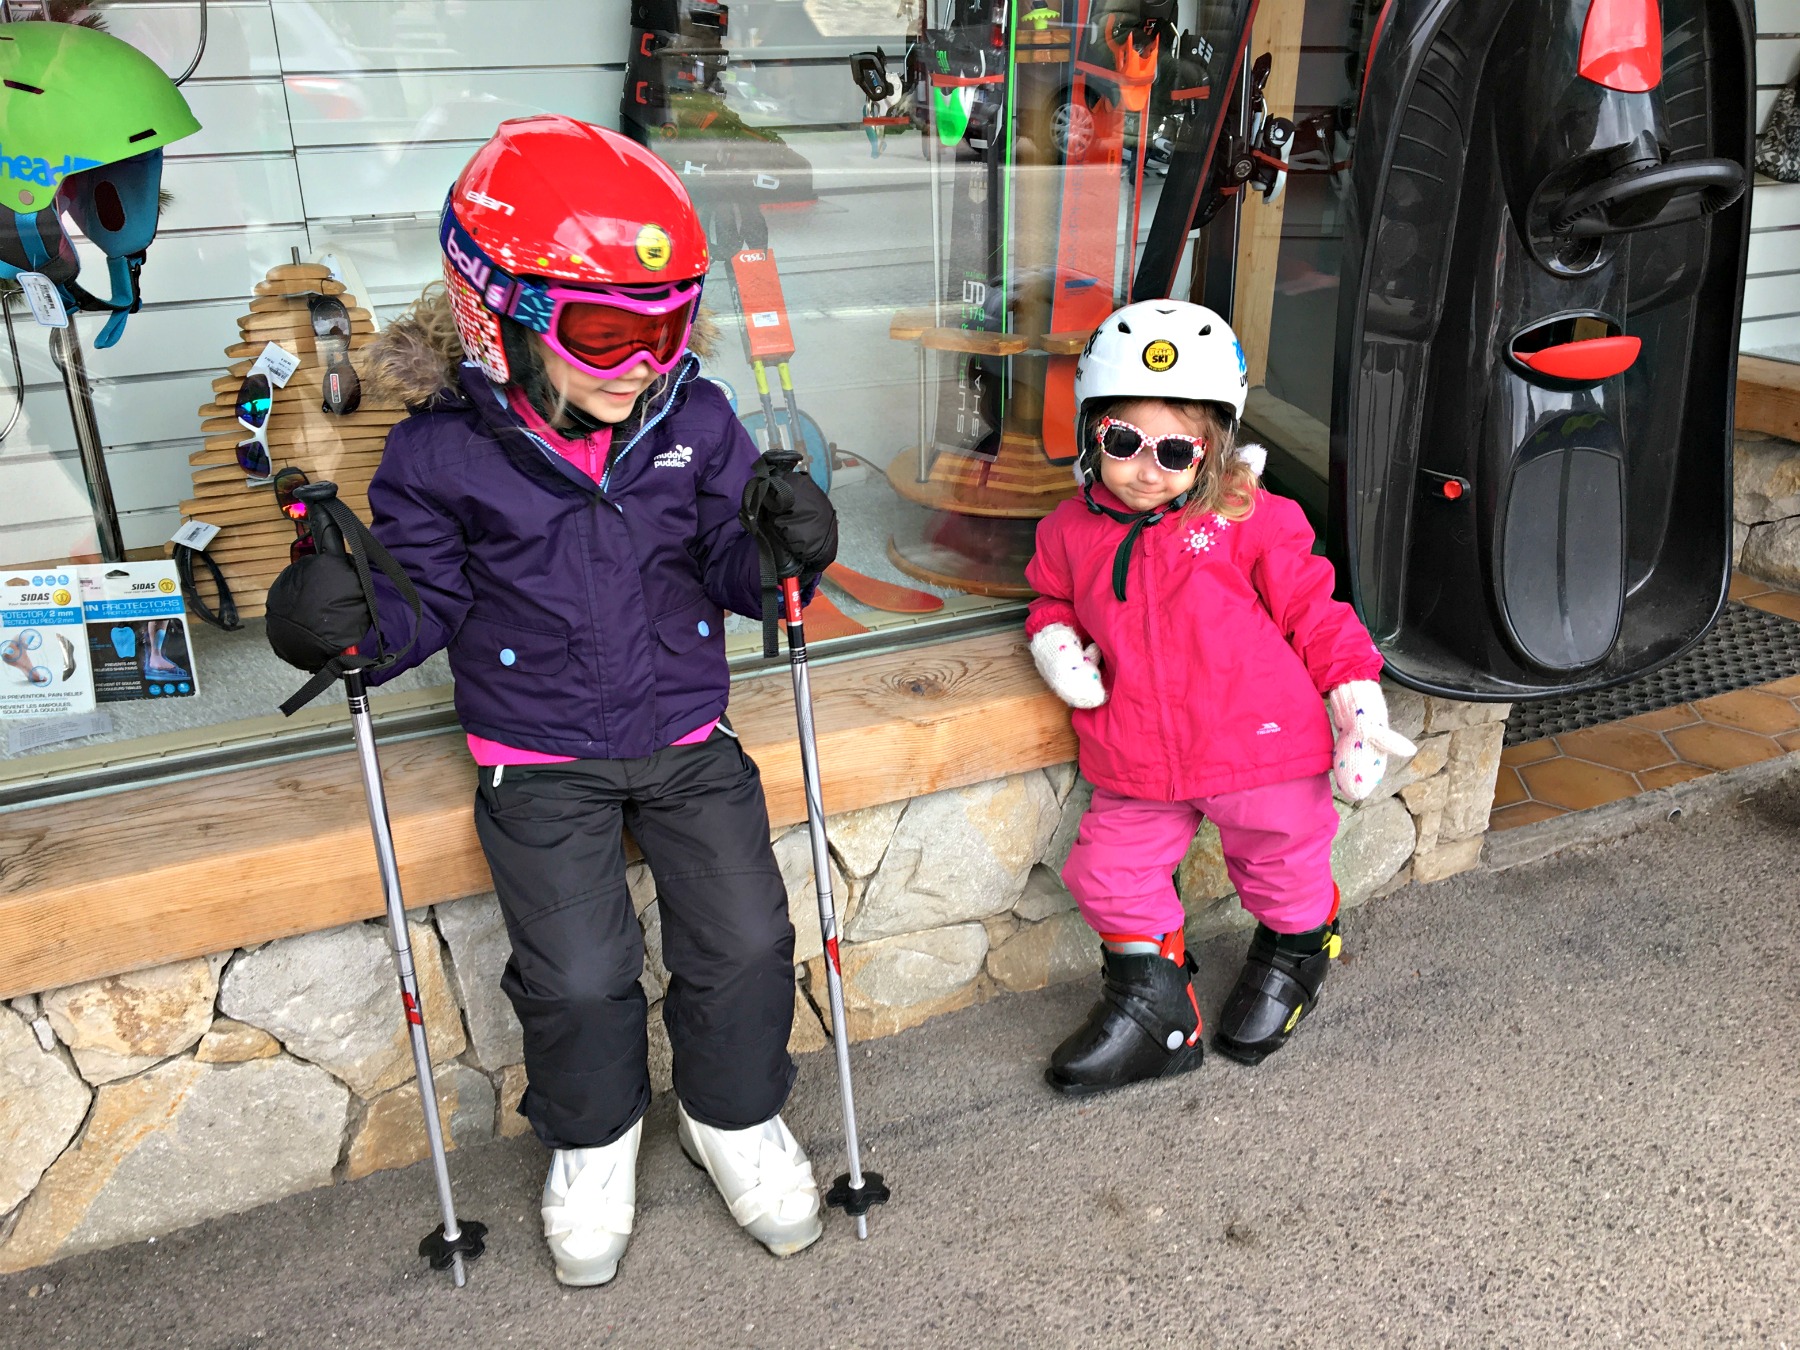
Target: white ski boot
{"points": [[590, 1198], [764, 1176]]}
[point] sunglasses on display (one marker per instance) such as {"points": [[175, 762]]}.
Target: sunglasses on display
{"points": [[1174, 452], [331, 331], [607, 333], [255, 399], [226, 615], [288, 483]]}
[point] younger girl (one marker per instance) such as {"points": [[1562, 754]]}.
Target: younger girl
{"points": [[1182, 613], [566, 500]]}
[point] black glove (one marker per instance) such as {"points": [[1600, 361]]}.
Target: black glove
{"points": [[317, 611], [793, 514]]}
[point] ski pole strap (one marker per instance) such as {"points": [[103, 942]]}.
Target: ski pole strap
{"points": [[335, 527], [764, 493]]}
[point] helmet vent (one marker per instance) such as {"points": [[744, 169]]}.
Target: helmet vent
{"points": [[23, 88], [143, 135], [1206, 331], [1124, 327]]}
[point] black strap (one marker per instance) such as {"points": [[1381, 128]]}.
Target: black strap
{"points": [[341, 528], [226, 616], [1139, 522], [764, 489]]}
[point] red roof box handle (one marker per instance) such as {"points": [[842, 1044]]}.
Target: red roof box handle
{"points": [[1586, 362], [1621, 45]]}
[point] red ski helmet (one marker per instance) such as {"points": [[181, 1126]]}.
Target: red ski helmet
{"points": [[550, 198]]}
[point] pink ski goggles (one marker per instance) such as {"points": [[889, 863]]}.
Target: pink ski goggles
{"points": [[605, 333]]}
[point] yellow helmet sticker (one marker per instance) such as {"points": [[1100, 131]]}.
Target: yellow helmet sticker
{"points": [[1160, 355], [654, 247]]}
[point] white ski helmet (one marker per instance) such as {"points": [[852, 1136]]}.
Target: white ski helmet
{"points": [[1158, 349]]}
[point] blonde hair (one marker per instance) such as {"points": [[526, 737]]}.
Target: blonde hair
{"points": [[1225, 484]]}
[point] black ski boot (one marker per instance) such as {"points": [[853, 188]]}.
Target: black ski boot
{"points": [[1146, 1025], [1277, 987]]}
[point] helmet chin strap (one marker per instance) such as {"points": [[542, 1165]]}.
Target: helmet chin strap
{"points": [[1139, 522], [582, 422]]}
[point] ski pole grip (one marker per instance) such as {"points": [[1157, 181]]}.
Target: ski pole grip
{"points": [[791, 611], [325, 531]]}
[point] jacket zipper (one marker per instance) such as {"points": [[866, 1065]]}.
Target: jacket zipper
{"points": [[1152, 584], [688, 370]]}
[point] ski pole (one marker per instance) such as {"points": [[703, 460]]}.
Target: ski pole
{"points": [[452, 1241], [856, 1192], [796, 432], [771, 436]]}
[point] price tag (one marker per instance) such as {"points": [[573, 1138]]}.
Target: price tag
{"points": [[45, 300], [196, 534], [277, 362]]}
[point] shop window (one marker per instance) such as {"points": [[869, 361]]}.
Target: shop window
{"points": [[917, 217]]}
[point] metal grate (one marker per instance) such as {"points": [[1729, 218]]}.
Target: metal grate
{"points": [[1747, 647]]}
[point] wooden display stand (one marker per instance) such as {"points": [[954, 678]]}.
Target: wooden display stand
{"points": [[981, 526], [984, 512], [255, 536]]}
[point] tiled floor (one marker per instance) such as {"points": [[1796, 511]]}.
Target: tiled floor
{"points": [[1581, 769]]}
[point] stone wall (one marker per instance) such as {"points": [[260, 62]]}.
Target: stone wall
{"points": [[1766, 483], [138, 1104]]}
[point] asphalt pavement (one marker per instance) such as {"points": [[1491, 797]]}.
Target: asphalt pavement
{"points": [[1549, 1105]]}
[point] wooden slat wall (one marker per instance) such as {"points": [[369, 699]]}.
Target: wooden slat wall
{"points": [[1772, 290]]}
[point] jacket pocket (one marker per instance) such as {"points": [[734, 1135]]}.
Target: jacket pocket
{"points": [[498, 649], [683, 629]]}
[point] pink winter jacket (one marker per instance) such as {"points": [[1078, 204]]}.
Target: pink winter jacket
{"points": [[1215, 663]]}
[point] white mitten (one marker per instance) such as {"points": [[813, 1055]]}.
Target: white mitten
{"points": [[1359, 721], [1072, 674]]}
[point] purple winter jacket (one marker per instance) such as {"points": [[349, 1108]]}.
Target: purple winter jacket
{"points": [[581, 619]]}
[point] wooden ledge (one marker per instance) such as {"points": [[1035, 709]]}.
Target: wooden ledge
{"points": [[115, 883], [976, 341], [1768, 397]]}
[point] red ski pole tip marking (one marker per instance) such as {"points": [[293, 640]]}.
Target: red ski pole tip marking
{"points": [[412, 1009], [831, 955]]}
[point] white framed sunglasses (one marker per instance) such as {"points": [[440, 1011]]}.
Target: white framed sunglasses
{"points": [[1175, 453]]}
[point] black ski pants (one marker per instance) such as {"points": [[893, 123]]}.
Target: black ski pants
{"points": [[552, 835]]}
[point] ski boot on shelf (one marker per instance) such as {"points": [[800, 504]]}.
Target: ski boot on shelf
{"points": [[764, 1176], [590, 1200], [1277, 987], [1146, 1024]]}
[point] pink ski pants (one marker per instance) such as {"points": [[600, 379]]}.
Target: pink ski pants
{"points": [[1277, 846]]}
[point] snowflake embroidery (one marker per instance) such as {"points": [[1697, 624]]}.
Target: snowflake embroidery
{"points": [[1202, 537]]}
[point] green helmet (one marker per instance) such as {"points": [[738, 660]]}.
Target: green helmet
{"points": [[75, 98]]}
